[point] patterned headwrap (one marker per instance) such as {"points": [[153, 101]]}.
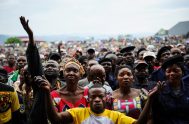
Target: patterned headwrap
{"points": [[75, 62]]}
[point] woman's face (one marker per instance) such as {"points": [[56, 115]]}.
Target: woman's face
{"points": [[173, 73], [71, 73], [125, 77]]}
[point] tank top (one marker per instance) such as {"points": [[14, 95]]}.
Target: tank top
{"points": [[130, 107]]}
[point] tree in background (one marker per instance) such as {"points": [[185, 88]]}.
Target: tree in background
{"points": [[13, 41]]}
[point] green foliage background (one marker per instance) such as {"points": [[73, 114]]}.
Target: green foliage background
{"points": [[13, 40]]}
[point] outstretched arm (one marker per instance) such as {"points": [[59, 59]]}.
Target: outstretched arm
{"points": [[32, 54], [27, 28], [53, 115], [38, 113]]}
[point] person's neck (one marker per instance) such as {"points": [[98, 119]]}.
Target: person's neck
{"points": [[125, 90], [97, 112], [71, 88], [52, 80]]}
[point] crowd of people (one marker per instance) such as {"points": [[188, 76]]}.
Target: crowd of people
{"points": [[113, 82]]}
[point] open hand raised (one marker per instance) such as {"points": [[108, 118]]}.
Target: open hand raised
{"points": [[27, 28], [25, 25], [158, 88]]}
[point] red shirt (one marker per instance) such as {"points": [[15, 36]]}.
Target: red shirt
{"points": [[9, 69]]}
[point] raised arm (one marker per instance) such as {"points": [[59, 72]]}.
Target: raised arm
{"points": [[32, 54], [53, 115], [38, 113], [25, 25]]}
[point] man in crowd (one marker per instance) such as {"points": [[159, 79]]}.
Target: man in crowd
{"points": [[128, 54], [11, 63], [9, 103]]}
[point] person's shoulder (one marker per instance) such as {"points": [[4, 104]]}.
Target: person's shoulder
{"points": [[4, 87], [115, 93], [78, 110], [138, 91]]}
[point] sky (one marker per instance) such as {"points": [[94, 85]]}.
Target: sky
{"points": [[91, 17]]}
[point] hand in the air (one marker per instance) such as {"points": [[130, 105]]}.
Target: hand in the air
{"points": [[158, 88], [25, 25]]}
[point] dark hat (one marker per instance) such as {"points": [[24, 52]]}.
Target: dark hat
{"points": [[127, 49], [140, 63], [104, 60], [54, 56], [161, 51], [140, 50], [172, 60], [91, 50]]}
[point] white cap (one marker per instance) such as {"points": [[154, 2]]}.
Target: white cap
{"points": [[148, 53]]}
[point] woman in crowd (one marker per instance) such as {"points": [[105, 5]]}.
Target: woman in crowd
{"points": [[71, 95], [171, 104], [126, 99]]}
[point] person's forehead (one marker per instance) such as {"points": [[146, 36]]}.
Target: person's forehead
{"points": [[125, 70], [98, 90], [105, 62], [51, 63], [21, 58], [166, 51], [72, 66], [173, 66]]}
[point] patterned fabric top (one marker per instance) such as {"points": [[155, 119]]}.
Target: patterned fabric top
{"points": [[130, 107], [8, 103], [63, 105]]}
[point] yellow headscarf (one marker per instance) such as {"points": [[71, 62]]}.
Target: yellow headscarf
{"points": [[73, 61]]}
